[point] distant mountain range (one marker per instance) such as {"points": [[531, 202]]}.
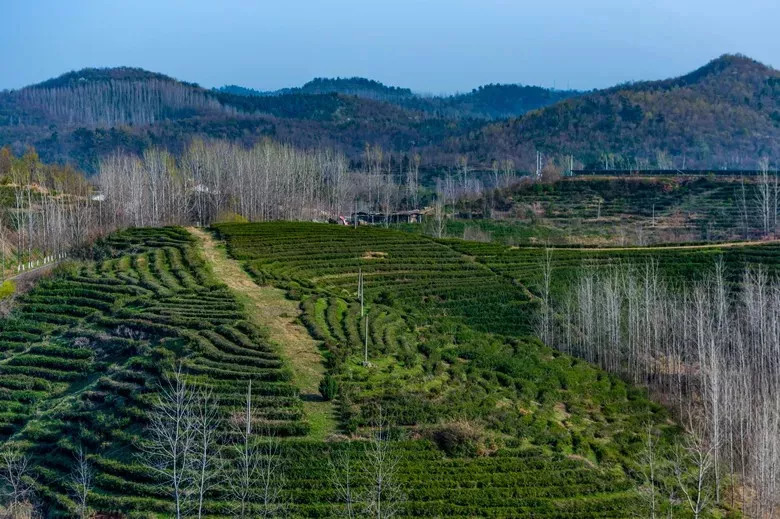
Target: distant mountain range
{"points": [[726, 113], [485, 102]]}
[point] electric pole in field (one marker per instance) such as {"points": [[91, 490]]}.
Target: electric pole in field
{"points": [[363, 316], [360, 290], [365, 346]]}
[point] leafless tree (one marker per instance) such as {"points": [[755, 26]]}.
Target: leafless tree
{"points": [[709, 349], [439, 218], [170, 439], [15, 479], [649, 463], [693, 464], [207, 461], [766, 198], [342, 479], [246, 471], [272, 478], [258, 464], [546, 313], [81, 483], [384, 495]]}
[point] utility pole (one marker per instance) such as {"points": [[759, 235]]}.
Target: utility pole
{"points": [[360, 290], [365, 347]]}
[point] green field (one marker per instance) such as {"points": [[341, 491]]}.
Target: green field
{"points": [[607, 211], [449, 349]]}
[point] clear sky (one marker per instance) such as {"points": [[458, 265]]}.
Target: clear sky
{"points": [[433, 46]]}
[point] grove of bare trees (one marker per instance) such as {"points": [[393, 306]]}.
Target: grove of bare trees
{"points": [[269, 181], [710, 350], [110, 103]]}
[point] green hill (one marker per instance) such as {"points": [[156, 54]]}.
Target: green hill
{"points": [[485, 420], [724, 114], [698, 119], [486, 424], [611, 211]]}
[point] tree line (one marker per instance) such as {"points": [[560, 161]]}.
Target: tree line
{"points": [[197, 453], [221, 180], [710, 350], [46, 211]]}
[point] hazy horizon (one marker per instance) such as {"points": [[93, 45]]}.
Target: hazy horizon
{"points": [[438, 47]]}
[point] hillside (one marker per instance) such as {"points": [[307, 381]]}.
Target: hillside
{"points": [[606, 210], [485, 423], [492, 101], [726, 113], [83, 116]]}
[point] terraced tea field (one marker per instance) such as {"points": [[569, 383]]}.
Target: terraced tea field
{"points": [[612, 211], [411, 272], [440, 341], [524, 264], [429, 362], [83, 354]]}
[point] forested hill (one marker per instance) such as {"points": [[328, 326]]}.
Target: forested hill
{"points": [[82, 116], [726, 113], [492, 101]]}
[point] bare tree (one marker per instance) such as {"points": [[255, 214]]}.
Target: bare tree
{"points": [[81, 483], [271, 477], [545, 324], [649, 461], [15, 480], [246, 471], [384, 495], [207, 462], [693, 463], [258, 465], [439, 218], [710, 349], [342, 479], [766, 198], [170, 439]]}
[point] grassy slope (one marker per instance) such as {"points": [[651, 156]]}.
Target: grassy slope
{"points": [[430, 363], [268, 308], [611, 211], [83, 353]]}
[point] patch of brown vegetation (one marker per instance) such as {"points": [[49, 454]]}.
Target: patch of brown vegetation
{"points": [[368, 255]]}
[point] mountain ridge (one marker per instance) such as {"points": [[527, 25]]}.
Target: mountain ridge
{"points": [[725, 113]]}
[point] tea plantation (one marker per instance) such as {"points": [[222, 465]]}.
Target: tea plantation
{"points": [[431, 361], [610, 210], [488, 421]]}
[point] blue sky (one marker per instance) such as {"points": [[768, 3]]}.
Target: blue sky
{"points": [[436, 46]]}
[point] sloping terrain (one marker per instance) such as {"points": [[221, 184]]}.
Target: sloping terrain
{"points": [[726, 109], [604, 210], [485, 423], [698, 120], [84, 354], [417, 350]]}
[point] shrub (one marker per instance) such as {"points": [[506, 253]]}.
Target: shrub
{"points": [[7, 289], [329, 387], [461, 438]]}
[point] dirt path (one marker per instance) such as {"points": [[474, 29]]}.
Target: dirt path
{"points": [[270, 309]]}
